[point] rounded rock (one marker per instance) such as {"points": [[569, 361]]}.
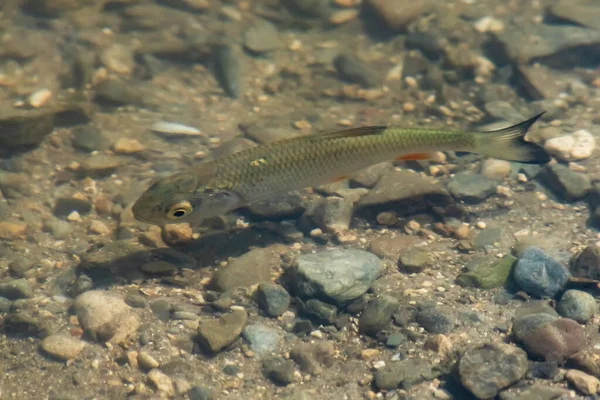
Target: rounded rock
{"points": [[62, 347], [555, 341], [577, 305], [538, 274], [273, 299]]}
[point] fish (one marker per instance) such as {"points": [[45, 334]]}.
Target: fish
{"points": [[214, 188]]}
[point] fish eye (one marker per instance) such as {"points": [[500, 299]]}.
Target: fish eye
{"points": [[179, 210]]}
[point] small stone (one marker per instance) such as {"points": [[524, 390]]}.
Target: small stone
{"points": [[395, 340], [279, 370], [538, 274], [326, 313], [89, 138], [393, 247], [177, 233], [146, 361], [565, 183], [556, 340], [342, 16], [262, 37], [440, 344], [217, 334], [15, 289], [414, 260], [12, 230], [312, 356], [471, 187], [161, 309], [159, 268], [100, 165], [332, 214], [273, 299], [587, 264], [337, 275], [105, 317], [577, 305], [398, 14], [118, 58], [262, 339], [354, 70], [486, 275], [62, 347], [74, 216], [404, 374], [495, 169], [577, 146], [128, 146], [247, 270], [100, 228], [487, 369], [586, 384], [377, 315], [66, 205], [200, 393], [434, 320], [162, 382], [369, 354]]}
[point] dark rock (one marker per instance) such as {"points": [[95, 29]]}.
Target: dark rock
{"points": [[486, 275], [249, 269], [555, 341], [577, 305], [538, 274], [89, 138], [404, 374], [414, 260], [587, 263], [565, 183], [434, 320], [279, 370], [262, 339], [218, 334], [377, 315], [353, 70], [273, 299], [471, 187], [487, 369]]}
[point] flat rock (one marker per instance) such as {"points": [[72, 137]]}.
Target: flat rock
{"points": [[581, 12], [541, 82], [565, 183], [404, 374], [377, 315], [337, 275], [263, 339], [261, 37], [486, 274], [487, 369], [471, 187], [273, 299], [217, 334], [393, 247], [406, 191], [555, 341], [398, 14], [247, 270], [62, 347]]}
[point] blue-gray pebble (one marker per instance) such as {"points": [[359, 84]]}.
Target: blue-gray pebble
{"points": [[577, 305], [538, 274]]}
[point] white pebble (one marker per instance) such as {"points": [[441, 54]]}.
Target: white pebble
{"points": [[489, 24], [577, 146], [40, 97], [174, 128]]}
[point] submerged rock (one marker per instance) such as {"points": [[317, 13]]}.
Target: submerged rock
{"points": [[538, 274]]}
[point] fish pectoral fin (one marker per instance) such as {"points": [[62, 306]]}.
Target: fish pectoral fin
{"points": [[352, 132], [416, 156]]}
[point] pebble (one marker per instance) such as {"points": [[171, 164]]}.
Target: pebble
{"points": [[62, 347], [482, 273], [175, 129], [324, 312], [161, 308], [15, 289], [471, 187], [146, 361], [273, 299], [395, 340], [340, 275], [58, 228], [105, 317], [434, 320], [577, 146], [200, 393], [398, 14], [353, 70], [377, 315], [89, 138], [263, 339], [487, 369], [565, 183], [177, 233], [12, 230], [555, 341], [332, 214], [586, 384], [162, 382], [261, 37], [439, 343], [128, 146], [403, 374], [99, 165], [249, 269], [538, 274], [311, 357], [100, 228], [217, 334], [577, 305], [279, 370], [342, 16], [118, 58], [587, 263], [40, 97], [414, 260], [495, 169]]}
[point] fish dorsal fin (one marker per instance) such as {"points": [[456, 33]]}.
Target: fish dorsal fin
{"points": [[352, 132]]}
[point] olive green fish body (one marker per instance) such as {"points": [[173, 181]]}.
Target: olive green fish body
{"points": [[216, 187]]}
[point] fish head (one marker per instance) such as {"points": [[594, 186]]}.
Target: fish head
{"points": [[184, 197]]}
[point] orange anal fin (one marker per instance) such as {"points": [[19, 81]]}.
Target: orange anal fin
{"points": [[338, 179], [415, 156]]}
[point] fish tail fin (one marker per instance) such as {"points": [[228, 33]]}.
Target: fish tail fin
{"points": [[509, 144]]}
